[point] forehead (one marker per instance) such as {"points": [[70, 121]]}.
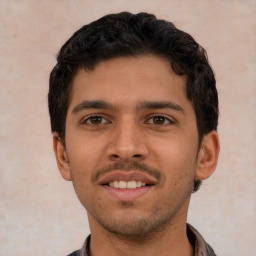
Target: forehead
{"points": [[127, 80]]}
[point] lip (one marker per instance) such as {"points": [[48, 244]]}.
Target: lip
{"points": [[126, 194], [127, 176]]}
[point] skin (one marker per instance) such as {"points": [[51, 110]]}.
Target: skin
{"points": [[130, 127]]}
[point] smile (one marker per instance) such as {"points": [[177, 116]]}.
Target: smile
{"points": [[121, 184], [127, 185]]}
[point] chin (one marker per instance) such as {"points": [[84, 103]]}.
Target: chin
{"points": [[134, 228], [132, 225]]}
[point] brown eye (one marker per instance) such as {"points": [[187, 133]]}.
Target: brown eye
{"points": [[159, 120], [96, 120]]}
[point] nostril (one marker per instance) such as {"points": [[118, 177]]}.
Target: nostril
{"points": [[137, 156]]}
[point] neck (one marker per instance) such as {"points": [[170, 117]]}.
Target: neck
{"points": [[171, 239]]}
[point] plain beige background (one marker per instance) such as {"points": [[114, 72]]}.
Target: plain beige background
{"points": [[39, 212]]}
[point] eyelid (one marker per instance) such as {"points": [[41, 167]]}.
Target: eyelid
{"points": [[169, 119], [85, 119]]}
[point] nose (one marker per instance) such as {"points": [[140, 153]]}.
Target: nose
{"points": [[127, 143]]}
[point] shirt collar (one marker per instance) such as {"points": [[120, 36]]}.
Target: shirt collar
{"points": [[201, 248]]}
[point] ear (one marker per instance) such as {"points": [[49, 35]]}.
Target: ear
{"points": [[208, 155], [61, 157]]}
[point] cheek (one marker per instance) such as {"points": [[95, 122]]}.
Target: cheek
{"points": [[178, 169], [84, 153], [176, 156], [175, 146], [84, 158]]}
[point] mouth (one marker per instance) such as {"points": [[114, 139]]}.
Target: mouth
{"points": [[122, 184], [127, 186]]}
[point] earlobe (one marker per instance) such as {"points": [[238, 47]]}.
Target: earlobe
{"points": [[208, 155], [61, 157]]}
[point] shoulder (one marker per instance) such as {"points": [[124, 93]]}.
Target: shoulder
{"points": [[201, 247], [75, 253], [84, 251]]}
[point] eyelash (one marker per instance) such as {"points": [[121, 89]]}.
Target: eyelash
{"points": [[89, 119], [166, 120]]}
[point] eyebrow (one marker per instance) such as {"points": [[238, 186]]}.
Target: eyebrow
{"points": [[100, 104], [96, 104], [160, 105]]}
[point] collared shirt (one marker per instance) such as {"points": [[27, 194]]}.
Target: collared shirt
{"points": [[201, 248]]}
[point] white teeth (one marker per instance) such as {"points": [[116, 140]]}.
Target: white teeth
{"points": [[116, 184], [131, 184], [138, 184], [121, 184]]}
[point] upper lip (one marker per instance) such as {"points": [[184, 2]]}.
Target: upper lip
{"points": [[127, 176]]}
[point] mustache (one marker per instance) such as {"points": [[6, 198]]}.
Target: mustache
{"points": [[131, 166]]}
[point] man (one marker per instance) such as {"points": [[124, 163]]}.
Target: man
{"points": [[134, 113]]}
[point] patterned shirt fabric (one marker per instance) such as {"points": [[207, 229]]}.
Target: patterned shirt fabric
{"points": [[201, 248]]}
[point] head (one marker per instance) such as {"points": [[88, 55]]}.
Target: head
{"points": [[134, 111], [126, 34]]}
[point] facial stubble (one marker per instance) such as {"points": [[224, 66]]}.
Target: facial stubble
{"points": [[134, 223]]}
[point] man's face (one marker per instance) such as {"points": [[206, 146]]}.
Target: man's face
{"points": [[129, 122]]}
